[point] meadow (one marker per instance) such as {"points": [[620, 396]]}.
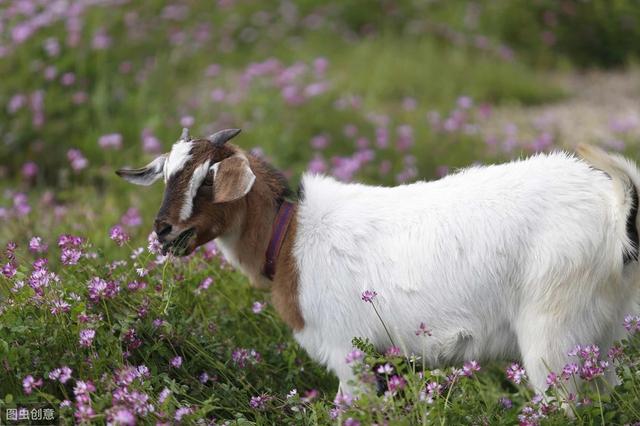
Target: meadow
{"points": [[95, 322]]}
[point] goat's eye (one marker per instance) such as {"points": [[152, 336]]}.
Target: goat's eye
{"points": [[208, 181]]}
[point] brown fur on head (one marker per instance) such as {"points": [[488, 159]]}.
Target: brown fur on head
{"points": [[206, 181]]}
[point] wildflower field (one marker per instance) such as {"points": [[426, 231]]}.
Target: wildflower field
{"points": [[97, 324]]}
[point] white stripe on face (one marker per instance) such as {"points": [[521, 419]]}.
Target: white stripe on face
{"points": [[178, 157], [199, 174]]}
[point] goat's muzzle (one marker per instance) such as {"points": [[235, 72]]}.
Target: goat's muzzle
{"points": [[179, 246]]}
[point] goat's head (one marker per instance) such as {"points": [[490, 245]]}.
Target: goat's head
{"points": [[205, 181]]}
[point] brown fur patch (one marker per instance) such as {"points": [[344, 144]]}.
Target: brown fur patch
{"points": [[284, 290]]}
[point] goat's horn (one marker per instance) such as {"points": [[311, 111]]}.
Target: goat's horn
{"points": [[221, 137], [185, 134]]}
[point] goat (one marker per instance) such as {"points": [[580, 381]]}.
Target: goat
{"points": [[519, 260]]}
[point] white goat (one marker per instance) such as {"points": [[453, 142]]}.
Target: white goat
{"points": [[519, 260]]}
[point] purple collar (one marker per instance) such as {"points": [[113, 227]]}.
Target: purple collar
{"points": [[278, 232]]}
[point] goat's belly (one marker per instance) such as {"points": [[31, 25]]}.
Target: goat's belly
{"points": [[477, 326]]}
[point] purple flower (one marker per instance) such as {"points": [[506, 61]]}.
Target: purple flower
{"points": [[62, 374], [632, 323], [154, 245], [59, 306], [258, 307], [310, 395], [343, 400], [110, 141], [9, 269], [505, 402], [181, 412], [319, 142], [70, 256], [150, 143], [77, 160], [29, 170], [259, 402], [393, 351], [29, 384], [368, 295], [354, 355], [118, 235], [396, 383], [164, 394], [67, 240], [86, 337], [176, 362], [351, 422], [100, 289], [465, 102], [317, 165], [204, 377], [243, 357], [131, 218], [122, 416], [187, 121], [385, 369], [423, 330], [37, 246], [469, 368], [515, 373]]}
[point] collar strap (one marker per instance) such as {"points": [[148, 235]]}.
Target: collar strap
{"points": [[278, 232]]}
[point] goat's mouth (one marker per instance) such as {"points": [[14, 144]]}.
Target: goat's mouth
{"points": [[180, 245]]}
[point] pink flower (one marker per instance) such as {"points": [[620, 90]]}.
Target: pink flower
{"points": [[131, 218], [164, 394], [110, 141], [385, 369], [516, 374], [70, 256], [181, 412], [118, 235], [258, 307], [187, 121], [369, 295], [396, 383], [632, 323], [393, 351], [59, 306], [29, 170], [354, 355], [86, 337], [176, 362], [63, 374], [423, 330], [29, 384], [122, 416], [150, 143], [77, 160], [469, 368], [259, 402], [36, 245]]}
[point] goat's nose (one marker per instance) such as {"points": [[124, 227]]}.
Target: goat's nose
{"points": [[162, 229]]}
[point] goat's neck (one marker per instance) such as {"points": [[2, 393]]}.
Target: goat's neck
{"points": [[245, 244]]}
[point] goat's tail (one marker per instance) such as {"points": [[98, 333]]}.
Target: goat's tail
{"points": [[626, 181]]}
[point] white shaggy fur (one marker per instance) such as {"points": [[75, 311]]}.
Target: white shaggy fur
{"points": [[519, 260]]}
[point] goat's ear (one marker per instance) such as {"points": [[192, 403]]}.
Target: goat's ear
{"points": [[232, 179], [145, 175]]}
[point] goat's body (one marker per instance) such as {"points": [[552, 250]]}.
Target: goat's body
{"points": [[519, 260]]}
